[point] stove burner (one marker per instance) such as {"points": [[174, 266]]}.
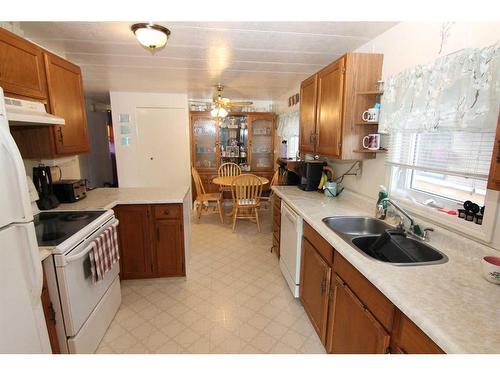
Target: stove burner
{"points": [[48, 216], [52, 236], [75, 217]]}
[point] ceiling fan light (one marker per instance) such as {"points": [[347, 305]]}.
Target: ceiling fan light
{"points": [[153, 37], [219, 112]]}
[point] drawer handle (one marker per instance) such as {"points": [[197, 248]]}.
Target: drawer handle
{"points": [[166, 212]]}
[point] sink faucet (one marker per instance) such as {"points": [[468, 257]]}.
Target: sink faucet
{"points": [[414, 229]]}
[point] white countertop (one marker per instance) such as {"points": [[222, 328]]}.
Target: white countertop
{"points": [[109, 197], [106, 198], [451, 302]]}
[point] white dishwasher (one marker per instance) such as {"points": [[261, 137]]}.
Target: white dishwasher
{"points": [[290, 247]]}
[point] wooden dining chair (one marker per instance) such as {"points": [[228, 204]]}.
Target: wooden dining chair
{"points": [[202, 196], [247, 190], [268, 195], [228, 169]]}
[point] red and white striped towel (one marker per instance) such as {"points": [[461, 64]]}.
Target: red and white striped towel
{"points": [[104, 254]]}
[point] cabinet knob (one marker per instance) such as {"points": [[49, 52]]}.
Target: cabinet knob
{"points": [[151, 158], [166, 212]]}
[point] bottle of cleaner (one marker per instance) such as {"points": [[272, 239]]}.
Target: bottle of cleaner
{"points": [[381, 208]]}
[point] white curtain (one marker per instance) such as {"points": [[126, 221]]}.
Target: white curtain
{"points": [[288, 125], [457, 92]]}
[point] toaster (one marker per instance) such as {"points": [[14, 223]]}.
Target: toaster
{"points": [[69, 191]]}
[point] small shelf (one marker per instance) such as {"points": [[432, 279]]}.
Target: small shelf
{"points": [[363, 123], [365, 151], [370, 93]]}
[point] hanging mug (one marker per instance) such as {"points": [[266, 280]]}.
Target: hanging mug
{"points": [[371, 142], [370, 115]]}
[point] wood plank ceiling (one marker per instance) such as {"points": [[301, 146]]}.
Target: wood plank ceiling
{"points": [[258, 60]]}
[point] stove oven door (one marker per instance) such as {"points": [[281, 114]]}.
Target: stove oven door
{"points": [[79, 296]]}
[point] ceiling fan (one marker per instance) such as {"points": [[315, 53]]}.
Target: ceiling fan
{"points": [[221, 105]]}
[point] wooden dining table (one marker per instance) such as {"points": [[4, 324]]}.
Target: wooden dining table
{"points": [[228, 181]]}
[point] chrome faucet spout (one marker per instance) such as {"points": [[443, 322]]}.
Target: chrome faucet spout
{"points": [[396, 206]]}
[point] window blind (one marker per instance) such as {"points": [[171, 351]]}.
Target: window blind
{"points": [[460, 154]]}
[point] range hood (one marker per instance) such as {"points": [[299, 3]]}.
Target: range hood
{"points": [[26, 112]]}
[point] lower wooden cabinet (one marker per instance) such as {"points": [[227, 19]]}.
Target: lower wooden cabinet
{"points": [[494, 177], [169, 248], [353, 329], [350, 315], [151, 240], [407, 338], [50, 317], [314, 287]]}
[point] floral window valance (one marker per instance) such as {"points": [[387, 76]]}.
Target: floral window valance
{"points": [[457, 92]]}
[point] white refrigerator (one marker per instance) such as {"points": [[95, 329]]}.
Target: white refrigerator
{"points": [[22, 323]]}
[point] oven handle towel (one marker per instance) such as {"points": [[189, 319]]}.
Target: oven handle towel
{"points": [[103, 254]]}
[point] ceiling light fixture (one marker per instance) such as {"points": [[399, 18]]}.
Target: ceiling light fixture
{"points": [[219, 111], [151, 36]]}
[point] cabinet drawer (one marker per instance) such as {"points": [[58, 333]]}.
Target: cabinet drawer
{"points": [[167, 211], [375, 301], [409, 339], [319, 243]]}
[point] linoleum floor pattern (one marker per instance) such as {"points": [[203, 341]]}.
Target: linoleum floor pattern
{"points": [[234, 300]]}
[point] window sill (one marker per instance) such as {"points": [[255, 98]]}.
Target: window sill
{"points": [[483, 232]]}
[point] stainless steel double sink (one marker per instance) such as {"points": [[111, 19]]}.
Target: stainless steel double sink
{"points": [[398, 249]]}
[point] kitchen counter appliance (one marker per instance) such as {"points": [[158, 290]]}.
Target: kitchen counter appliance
{"points": [[87, 308], [69, 191]]}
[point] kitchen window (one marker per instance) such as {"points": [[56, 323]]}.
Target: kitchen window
{"points": [[288, 130], [441, 119], [449, 168]]}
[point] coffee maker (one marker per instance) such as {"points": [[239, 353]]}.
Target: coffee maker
{"points": [[42, 179], [311, 172]]}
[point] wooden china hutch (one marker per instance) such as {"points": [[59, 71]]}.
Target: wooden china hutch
{"points": [[244, 138]]}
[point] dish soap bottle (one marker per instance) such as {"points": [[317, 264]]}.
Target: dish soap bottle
{"points": [[381, 205]]}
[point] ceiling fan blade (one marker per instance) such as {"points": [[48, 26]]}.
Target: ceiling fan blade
{"points": [[239, 104]]}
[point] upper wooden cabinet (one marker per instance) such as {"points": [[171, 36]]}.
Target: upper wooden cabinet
{"points": [[331, 106], [329, 109], [308, 99], [21, 67], [494, 179], [66, 100], [29, 72]]}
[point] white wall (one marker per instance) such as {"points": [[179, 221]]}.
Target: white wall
{"points": [[405, 45], [169, 150]]}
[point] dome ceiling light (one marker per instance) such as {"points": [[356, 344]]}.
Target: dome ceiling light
{"points": [[151, 36]]}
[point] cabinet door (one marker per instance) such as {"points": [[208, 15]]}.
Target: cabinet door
{"points": [[407, 338], [354, 329], [21, 67], [204, 138], [314, 284], [135, 243], [494, 179], [67, 101], [261, 142], [329, 117], [308, 92], [169, 248]]}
